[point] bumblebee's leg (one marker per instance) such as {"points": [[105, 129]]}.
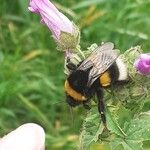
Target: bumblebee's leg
{"points": [[101, 106], [71, 66]]}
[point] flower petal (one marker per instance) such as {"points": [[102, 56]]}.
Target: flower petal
{"points": [[145, 58], [50, 15], [142, 64]]}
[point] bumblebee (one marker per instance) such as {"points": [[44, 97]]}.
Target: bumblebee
{"points": [[101, 69]]}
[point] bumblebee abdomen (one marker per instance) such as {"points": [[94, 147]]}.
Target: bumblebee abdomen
{"points": [[116, 72], [105, 79], [122, 69]]}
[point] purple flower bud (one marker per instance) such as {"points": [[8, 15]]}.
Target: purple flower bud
{"points": [[50, 16], [142, 64]]}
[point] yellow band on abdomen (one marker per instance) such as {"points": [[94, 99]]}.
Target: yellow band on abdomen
{"points": [[105, 79], [77, 96]]}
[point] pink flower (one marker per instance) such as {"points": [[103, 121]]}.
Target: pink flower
{"points": [[50, 15], [142, 64]]}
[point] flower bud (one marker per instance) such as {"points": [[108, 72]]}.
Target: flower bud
{"points": [[65, 33]]}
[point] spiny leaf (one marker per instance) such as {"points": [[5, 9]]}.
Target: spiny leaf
{"points": [[91, 130], [132, 145], [139, 129], [113, 125], [115, 143]]}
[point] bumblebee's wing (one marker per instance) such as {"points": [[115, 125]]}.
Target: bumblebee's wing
{"points": [[88, 62], [101, 63], [105, 46], [100, 60]]}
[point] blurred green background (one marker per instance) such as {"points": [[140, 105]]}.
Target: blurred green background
{"points": [[31, 69]]}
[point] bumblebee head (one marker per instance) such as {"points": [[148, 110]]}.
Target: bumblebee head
{"points": [[72, 102]]}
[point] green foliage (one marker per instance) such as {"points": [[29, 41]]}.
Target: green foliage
{"points": [[130, 134], [91, 130], [127, 126], [31, 70]]}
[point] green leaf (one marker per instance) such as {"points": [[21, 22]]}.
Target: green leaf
{"points": [[115, 143], [91, 130], [137, 131], [131, 145], [113, 125], [129, 136], [126, 144]]}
